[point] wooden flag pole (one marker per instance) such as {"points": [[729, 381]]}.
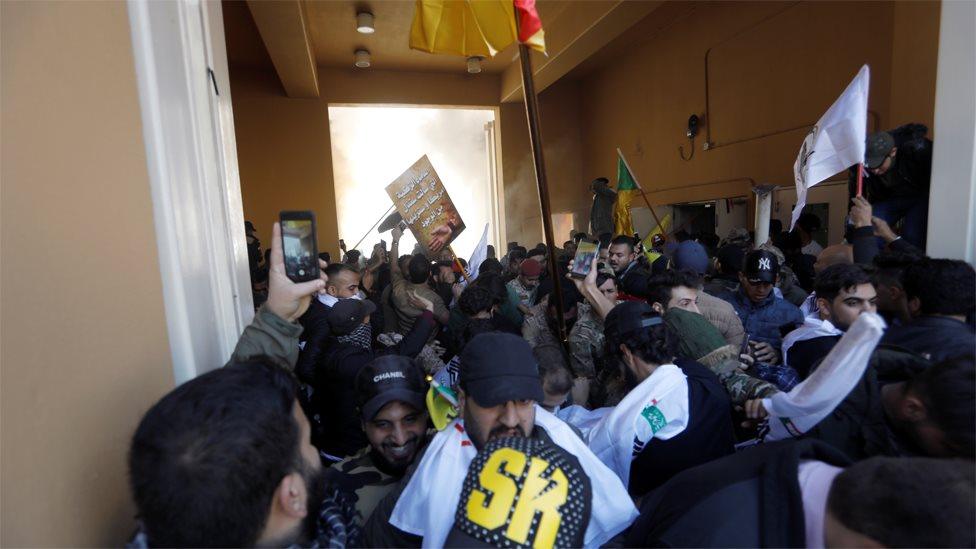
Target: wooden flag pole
{"points": [[656, 220], [464, 272], [535, 139], [860, 183]]}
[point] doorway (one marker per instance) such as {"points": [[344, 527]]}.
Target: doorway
{"points": [[373, 145]]}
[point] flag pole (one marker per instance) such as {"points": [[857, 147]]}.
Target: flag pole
{"points": [[464, 272], [535, 139], [860, 182], [644, 196]]}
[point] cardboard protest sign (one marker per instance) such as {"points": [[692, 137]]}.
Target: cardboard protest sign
{"points": [[422, 200]]}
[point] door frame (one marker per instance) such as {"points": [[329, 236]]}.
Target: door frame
{"points": [[191, 153]]}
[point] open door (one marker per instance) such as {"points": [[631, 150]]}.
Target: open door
{"points": [[188, 127]]}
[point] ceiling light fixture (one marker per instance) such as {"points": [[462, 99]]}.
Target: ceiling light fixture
{"points": [[474, 64], [364, 22], [362, 58]]}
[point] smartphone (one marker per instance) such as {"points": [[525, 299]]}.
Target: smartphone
{"points": [[745, 350], [583, 260], [299, 245]]}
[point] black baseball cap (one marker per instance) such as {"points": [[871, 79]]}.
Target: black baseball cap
{"points": [[347, 314], [761, 266], [498, 367], [568, 495], [387, 379], [630, 316], [877, 148]]}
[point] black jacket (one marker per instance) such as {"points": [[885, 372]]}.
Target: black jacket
{"points": [[803, 355], [315, 330], [910, 174], [633, 281], [334, 400], [709, 434], [936, 338], [749, 499]]}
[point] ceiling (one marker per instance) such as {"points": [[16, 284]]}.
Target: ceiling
{"points": [[332, 33]]}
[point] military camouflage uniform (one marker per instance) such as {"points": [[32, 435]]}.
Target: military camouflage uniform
{"points": [[724, 362], [359, 478], [525, 295], [536, 328], [586, 343]]}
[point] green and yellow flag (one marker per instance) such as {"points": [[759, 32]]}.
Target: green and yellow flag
{"points": [[627, 187]]}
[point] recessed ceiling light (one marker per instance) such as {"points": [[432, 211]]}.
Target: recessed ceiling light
{"points": [[362, 58], [364, 22], [474, 64]]}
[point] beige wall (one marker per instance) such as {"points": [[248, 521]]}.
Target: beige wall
{"points": [[914, 54], [84, 345], [758, 84], [283, 144], [568, 193], [284, 154]]}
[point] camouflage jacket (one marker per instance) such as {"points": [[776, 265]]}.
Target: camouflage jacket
{"points": [[536, 329], [586, 343], [525, 295], [359, 478], [725, 364]]}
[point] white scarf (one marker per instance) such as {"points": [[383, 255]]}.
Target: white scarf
{"points": [[809, 305], [794, 413], [429, 502], [656, 408], [812, 327], [581, 418]]}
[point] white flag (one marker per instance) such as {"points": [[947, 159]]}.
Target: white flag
{"points": [[836, 142], [479, 254]]}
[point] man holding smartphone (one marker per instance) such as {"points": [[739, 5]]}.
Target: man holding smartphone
{"points": [[762, 312]]}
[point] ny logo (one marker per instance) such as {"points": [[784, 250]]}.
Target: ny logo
{"points": [[764, 264]]}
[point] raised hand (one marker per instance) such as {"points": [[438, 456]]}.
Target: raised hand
{"points": [[286, 298]]}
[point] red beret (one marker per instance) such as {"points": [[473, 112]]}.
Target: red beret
{"points": [[531, 267]]}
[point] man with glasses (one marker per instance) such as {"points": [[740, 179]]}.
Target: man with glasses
{"points": [[898, 166]]}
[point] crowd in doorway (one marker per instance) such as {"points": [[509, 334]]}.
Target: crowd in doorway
{"points": [[693, 390]]}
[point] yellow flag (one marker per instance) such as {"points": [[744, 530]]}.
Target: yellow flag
{"points": [[472, 27]]}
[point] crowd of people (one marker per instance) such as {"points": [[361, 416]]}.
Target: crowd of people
{"points": [[702, 392]]}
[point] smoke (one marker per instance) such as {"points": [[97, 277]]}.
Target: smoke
{"points": [[372, 146]]}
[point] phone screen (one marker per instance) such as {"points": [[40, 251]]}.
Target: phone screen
{"points": [[298, 242], [583, 260]]}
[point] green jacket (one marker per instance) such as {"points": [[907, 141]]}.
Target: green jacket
{"points": [[271, 336]]}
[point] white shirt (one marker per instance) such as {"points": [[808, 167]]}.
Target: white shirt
{"points": [[815, 478]]}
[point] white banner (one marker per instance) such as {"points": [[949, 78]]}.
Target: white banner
{"points": [[836, 142]]}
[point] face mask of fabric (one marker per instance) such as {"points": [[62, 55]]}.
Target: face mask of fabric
{"points": [[359, 295], [362, 336]]}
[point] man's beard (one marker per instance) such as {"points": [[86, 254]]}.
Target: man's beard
{"points": [[315, 487], [474, 432], [630, 379], [399, 467]]}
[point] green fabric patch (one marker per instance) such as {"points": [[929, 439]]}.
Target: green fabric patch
{"points": [[654, 418]]}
